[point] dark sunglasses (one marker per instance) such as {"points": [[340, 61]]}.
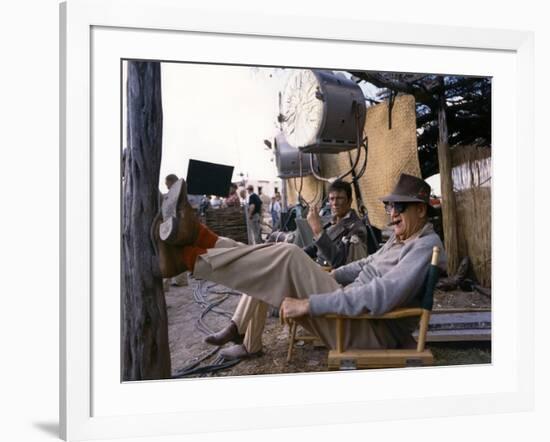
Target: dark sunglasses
{"points": [[398, 207]]}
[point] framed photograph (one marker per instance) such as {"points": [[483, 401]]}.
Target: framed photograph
{"points": [[100, 40]]}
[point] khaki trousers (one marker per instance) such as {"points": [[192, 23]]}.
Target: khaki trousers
{"points": [[271, 272], [250, 317], [250, 314]]}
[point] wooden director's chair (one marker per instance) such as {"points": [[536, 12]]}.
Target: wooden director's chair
{"points": [[350, 359]]}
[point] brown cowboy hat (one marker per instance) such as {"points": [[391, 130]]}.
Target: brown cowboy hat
{"points": [[411, 189]]}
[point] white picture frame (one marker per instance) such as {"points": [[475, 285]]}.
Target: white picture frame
{"points": [[93, 404]]}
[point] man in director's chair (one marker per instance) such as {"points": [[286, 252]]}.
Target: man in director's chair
{"points": [[284, 276]]}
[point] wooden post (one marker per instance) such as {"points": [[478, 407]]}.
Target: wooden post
{"points": [[145, 350], [448, 205]]}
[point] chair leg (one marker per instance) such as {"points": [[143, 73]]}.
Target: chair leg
{"points": [[423, 330], [339, 335], [291, 340]]}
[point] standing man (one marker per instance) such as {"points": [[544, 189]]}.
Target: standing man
{"points": [[254, 214], [232, 199], [170, 180], [275, 211]]}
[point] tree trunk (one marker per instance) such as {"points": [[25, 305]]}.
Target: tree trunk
{"points": [[448, 205], [145, 350]]}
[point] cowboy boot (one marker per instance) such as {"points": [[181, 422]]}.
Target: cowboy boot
{"points": [[173, 260], [180, 225], [166, 255]]}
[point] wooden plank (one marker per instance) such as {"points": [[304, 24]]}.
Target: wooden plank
{"points": [[379, 358], [460, 310], [457, 335], [455, 321], [378, 354], [455, 327]]}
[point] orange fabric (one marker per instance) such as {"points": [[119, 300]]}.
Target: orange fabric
{"points": [[206, 238], [190, 255]]}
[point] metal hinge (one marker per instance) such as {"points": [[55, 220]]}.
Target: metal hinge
{"points": [[348, 364], [414, 362]]}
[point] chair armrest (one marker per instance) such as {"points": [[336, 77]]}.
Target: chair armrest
{"points": [[394, 314]]}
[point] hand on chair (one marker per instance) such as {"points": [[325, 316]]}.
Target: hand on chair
{"points": [[293, 308]]}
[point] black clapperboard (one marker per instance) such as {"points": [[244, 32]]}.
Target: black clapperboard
{"points": [[205, 178]]}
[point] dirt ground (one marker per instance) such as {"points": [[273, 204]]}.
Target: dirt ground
{"points": [[457, 299], [187, 329]]}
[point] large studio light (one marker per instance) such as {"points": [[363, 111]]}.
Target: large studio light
{"points": [[322, 112]]}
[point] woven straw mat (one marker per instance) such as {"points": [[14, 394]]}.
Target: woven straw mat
{"points": [[391, 152]]}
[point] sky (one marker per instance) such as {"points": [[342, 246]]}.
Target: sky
{"points": [[220, 114], [435, 183]]}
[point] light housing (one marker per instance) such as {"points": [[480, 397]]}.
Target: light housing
{"points": [[287, 159], [321, 111]]}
